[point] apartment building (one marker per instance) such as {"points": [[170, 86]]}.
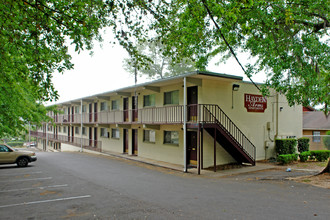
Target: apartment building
{"points": [[201, 119]]}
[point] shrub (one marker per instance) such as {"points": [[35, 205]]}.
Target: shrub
{"points": [[15, 143], [326, 140], [304, 156], [287, 158], [285, 146], [303, 144], [320, 155]]}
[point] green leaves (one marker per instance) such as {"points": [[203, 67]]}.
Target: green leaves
{"points": [[33, 45], [289, 39]]}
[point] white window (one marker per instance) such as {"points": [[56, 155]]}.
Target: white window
{"points": [[316, 136], [84, 131], [64, 129], [104, 106], [84, 109], [76, 131], [76, 109], [149, 100], [171, 137], [59, 129], [149, 136], [115, 133], [171, 98], [104, 132], [114, 104]]}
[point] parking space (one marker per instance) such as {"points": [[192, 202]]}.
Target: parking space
{"points": [[34, 191]]}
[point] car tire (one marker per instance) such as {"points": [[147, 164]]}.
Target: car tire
{"points": [[22, 162]]}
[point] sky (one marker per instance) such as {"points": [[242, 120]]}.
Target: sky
{"points": [[104, 72]]}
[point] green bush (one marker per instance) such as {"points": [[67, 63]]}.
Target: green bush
{"points": [[287, 158], [320, 155], [326, 140], [15, 143], [304, 156], [303, 144], [285, 146]]}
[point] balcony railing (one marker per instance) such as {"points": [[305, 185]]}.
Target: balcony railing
{"points": [[153, 115], [76, 141]]}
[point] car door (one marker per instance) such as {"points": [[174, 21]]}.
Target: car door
{"points": [[6, 154]]}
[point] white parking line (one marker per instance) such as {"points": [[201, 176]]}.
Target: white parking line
{"points": [[22, 180], [17, 174], [41, 187], [45, 201]]}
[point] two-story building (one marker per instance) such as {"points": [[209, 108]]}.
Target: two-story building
{"points": [[201, 119]]}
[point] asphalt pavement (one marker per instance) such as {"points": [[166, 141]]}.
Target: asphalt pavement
{"points": [[88, 186]]}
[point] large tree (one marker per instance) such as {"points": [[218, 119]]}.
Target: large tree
{"points": [[34, 39], [289, 39], [156, 65]]}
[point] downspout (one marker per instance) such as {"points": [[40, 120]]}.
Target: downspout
{"points": [[185, 124], [81, 125]]}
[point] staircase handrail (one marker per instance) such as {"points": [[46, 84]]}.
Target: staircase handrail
{"points": [[218, 116]]}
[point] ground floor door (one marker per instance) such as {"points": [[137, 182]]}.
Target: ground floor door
{"points": [[192, 147], [90, 136], [125, 142], [95, 137], [134, 141]]}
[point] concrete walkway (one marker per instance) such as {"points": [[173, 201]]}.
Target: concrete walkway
{"points": [[219, 173]]}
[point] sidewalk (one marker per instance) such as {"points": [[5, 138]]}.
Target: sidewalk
{"points": [[219, 173]]}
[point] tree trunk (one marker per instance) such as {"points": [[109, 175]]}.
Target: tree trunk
{"points": [[327, 168]]}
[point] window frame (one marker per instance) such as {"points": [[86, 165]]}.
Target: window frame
{"points": [[116, 132], [148, 139], [316, 137], [171, 142], [170, 95], [103, 106], [116, 106], [104, 132], [151, 100]]}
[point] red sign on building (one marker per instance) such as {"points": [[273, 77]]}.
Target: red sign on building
{"points": [[255, 103]]}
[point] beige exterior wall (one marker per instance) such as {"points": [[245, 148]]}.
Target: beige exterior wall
{"points": [[254, 124]]}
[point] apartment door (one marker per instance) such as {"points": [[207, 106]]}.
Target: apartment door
{"points": [[90, 137], [134, 141], [90, 111], [135, 108], [192, 147], [69, 114], [95, 112], [125, 150], [125, 102], [69, 137], [192, 101], [72, 134], [95, 137], [72, 113]]}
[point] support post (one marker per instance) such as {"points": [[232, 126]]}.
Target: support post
{"points": [[198, 151], [185, 123], [215, 150], [202, 149], [81, 125]]}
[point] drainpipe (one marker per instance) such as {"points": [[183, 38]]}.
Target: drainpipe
{"points": [[81, 126], [185, 124]]}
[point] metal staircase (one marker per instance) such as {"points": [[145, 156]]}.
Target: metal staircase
{"points": [[227, 134]]}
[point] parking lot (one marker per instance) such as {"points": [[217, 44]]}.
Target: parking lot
{"points": [[34, 192], [85, 186]]}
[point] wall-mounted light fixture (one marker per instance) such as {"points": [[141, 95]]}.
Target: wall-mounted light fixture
{"points": [[234, 88], [281, 108]]}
